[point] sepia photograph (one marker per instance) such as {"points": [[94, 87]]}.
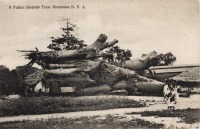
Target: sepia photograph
{"points": [[98, 64]]}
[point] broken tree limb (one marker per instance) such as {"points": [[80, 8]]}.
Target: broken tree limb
{"points": [[141, 63], [99, 44], [121, 71], [61, 72], [111, 74], [108, 44]]}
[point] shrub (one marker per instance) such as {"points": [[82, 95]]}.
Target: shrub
{"points": [[45, 105]]}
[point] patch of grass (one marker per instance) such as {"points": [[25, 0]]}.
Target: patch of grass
{"points": [[107, 122], [46, 105], [187, 115]]}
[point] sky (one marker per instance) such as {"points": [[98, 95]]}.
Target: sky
{"points": [[140, 25]]}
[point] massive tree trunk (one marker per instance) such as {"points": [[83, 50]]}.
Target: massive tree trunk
{"points": [[121, 71], [75, 64], [76, 77], [102, 89], [150, 87], [57, 66], [120, 85]]}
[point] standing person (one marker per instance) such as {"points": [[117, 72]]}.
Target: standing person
{"points": [[171, 101], [173, 96], [166, 90], [166, 93]]}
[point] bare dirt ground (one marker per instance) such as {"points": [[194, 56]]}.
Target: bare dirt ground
{"points": [[154, 104]]}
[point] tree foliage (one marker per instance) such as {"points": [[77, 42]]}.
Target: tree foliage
{"points": [[13, 82], [68, 40], [5, 80], [162, 60], [121, 55]]}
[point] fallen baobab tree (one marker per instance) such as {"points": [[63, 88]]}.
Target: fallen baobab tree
{"points": [[87, 70]]}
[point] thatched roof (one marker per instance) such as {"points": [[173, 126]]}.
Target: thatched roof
{"points": [[24, 71], [34, 78], [192, 75]]}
